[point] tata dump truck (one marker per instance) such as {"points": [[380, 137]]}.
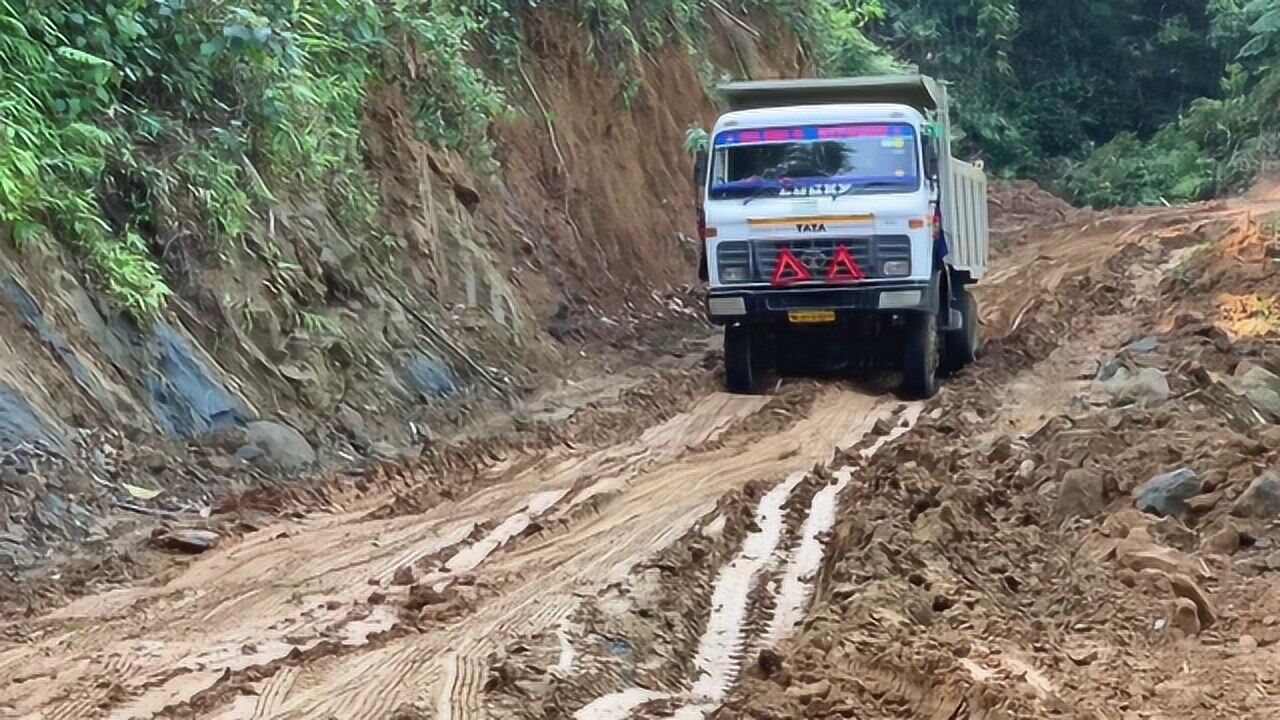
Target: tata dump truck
{"points": [[838, 232]]}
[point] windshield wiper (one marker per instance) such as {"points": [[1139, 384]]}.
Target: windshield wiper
{"points": [[854, 185], [760, 192]]}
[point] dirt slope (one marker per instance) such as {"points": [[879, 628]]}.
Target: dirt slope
{"points": [[479, 289], [826, 551]]}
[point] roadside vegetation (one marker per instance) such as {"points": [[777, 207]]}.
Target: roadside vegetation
{"points": [[127, 126], [1111, 102]]}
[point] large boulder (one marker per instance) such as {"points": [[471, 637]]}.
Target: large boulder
{"points": [[1127, 386], [1081, 494], [1168, 493], [283, 447], [1261, 499], [1261, 387]]}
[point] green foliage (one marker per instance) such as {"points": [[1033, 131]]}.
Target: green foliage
{"points": [[696, 139], [1218, 146], [832, 32], [127, 119], [127, 125], [1039, 80]]}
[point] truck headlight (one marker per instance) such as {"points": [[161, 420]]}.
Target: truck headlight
{"points": [[897, 267], [735, 274]]}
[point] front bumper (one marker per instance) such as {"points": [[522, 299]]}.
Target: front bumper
{"points": [[769, 305]]}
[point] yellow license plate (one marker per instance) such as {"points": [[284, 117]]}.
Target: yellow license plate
{"points": [[811, 317]]}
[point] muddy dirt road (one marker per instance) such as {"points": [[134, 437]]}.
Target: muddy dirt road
{"points": [[644, 578]]}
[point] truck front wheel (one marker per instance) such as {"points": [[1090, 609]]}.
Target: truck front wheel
{"points": [[744, 360], [920, 361]]}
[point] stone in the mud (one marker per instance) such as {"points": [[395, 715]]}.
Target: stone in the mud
{"points": [[1083, 656], [1001, 450], [249, 453], [1143, 346], [428, 377], [404, 575], [1126, 386], [1139, 552], [353, 425], [1261, 499], [1172, 532], [882, 426], [1186, 588], [384, 451], [155, 462], [1224, 541], [812, 691], [1167, 494], [422, 595], [1185, 618], [1027, 470], [1081, 494], [284, 448], [768, 663], [220, 464], [1260, 386], [189, 541]]}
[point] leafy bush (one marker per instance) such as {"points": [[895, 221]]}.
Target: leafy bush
{"points": [[126, 124], [126, 118], [1218, 146]]}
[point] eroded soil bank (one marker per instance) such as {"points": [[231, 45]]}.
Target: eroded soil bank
{"points": [[304, 350]]}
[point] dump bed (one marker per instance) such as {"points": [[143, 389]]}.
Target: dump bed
{"points": [[917, 91], [964, 186]]}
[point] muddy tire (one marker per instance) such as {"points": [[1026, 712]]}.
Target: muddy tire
{"points": [[960, 348], [920, 357], [744, 360]]}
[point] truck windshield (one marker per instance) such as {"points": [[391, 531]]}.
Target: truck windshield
{"points": [[814, 160]]}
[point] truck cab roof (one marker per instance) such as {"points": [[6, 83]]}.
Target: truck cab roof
{"points": [[818, 115]]}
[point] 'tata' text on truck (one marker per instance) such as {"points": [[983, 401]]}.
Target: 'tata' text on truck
{"points": [[838, 230]]}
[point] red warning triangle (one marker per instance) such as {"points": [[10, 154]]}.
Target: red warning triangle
{"points": [[843, 267], [789, 269]]}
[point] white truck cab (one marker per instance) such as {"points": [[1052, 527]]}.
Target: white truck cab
{"points": [[838, 230]]}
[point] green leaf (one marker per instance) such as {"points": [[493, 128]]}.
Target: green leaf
{"points": [[24, 232], [83, 58], [1254, 47], [212, 47]]}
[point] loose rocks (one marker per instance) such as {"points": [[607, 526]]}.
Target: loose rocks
{"points": [[1081, 494], [1168, 494], [1261, 499], [283, 447]]}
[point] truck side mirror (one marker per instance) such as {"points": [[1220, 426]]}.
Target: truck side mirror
{"points": [[931, 160], [699, 168]]}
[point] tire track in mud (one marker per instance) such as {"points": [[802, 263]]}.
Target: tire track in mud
{"points": [[758, 597], [262, 625], [301, 619], [795, 589], [649, 512]]}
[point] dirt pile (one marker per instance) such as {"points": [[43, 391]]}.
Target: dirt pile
{"points": [[1000, 563], [1017, 207]]}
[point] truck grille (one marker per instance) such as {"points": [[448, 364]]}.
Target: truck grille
{"points": [[871, 253]]}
